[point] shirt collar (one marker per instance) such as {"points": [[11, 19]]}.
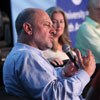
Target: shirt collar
{"points": [[22, 45], [92, 22]]}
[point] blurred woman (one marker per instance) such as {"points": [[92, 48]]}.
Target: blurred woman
{"points": [[56, 55]]}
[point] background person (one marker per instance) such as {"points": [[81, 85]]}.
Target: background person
{"points": [[27, 74], [88, 35]]}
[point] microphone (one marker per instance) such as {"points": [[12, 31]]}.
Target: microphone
{"points": [[66, 49]]}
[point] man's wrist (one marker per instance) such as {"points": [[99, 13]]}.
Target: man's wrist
{"points": [[64, 73]]}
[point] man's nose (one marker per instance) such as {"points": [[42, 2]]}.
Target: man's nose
{"points": [[53, 31]]}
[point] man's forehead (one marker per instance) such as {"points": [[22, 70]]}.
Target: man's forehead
{"points": [[43, 16]]}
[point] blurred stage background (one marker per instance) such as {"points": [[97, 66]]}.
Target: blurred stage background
{"points": [[75, 10]]}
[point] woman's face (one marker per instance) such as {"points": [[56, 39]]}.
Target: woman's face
{"points": [[58, 23]]}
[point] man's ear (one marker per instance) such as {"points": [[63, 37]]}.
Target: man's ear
{"points": [[27, 28]]}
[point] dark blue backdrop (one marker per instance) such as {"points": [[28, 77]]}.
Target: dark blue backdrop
{"points": [[76, 11]]}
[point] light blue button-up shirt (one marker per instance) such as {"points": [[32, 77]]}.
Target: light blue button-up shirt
{"points": [[88, 37], [27, 74]]}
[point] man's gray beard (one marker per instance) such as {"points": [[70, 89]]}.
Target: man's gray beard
{"points": [[50, 46]]}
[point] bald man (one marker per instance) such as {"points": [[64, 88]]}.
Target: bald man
{"points": [[28, 75]]}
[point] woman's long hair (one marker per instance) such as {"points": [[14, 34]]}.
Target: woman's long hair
{"points": [[64, 38]]}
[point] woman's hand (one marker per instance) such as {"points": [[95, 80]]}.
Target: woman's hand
{"points": [[56, 62]]}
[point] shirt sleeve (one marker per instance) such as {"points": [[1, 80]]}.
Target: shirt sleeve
{"points": [[67, 89], [40, 79]]}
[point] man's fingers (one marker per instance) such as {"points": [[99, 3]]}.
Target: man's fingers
{"points": [[80, 61]]}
